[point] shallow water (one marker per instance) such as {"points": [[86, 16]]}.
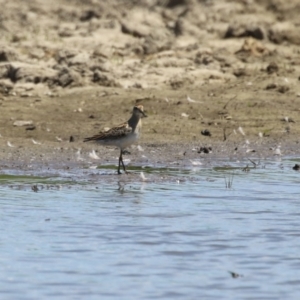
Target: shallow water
{"points": [[175, 236]]}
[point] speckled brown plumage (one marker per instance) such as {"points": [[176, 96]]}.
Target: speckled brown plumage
{"points": [[122, 135]]}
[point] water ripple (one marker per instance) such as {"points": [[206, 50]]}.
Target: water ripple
{"points": [[173, 239]]}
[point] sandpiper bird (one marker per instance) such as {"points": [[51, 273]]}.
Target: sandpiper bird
{"points": [[122, 135]]}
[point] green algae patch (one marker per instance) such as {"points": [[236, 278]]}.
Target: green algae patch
{"points": [[5, 178]]}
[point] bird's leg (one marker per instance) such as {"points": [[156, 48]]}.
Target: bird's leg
{"points": [[119, 166], [121, 158]]}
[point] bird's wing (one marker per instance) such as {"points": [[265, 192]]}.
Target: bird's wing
{"points": [[113, 133]]}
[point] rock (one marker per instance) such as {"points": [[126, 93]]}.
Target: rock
{"points": [[5, 86], [67, 30], [25, 95], [104, 67], [89, 14], [284, 32], [253, 47], [283, 89], [209, 61], [29, 73], [129, 27], [271, 86], [63, 56], [102, 51], [20, 123], [66, 77], [279, 88], [172, 62], [272, 68], [205, 132], [177, 82], [173, 3], [30, 127], [81, 58], [240, 72], [151, 45], [7, 54], [205, 150], [29, 89], [104, 79], [287, 119], [151, 30], [245, 30], [4, 69], [37, 53]]}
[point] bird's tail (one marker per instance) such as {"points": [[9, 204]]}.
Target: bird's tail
{"points": [[88, 139]]}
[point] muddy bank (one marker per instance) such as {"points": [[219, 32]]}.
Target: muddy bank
{"points": [[209, 73]]}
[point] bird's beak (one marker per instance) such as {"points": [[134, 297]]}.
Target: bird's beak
{"points": [[144, 115]]}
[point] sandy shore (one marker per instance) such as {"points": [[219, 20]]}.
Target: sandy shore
{"points": [[68, 71]]}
